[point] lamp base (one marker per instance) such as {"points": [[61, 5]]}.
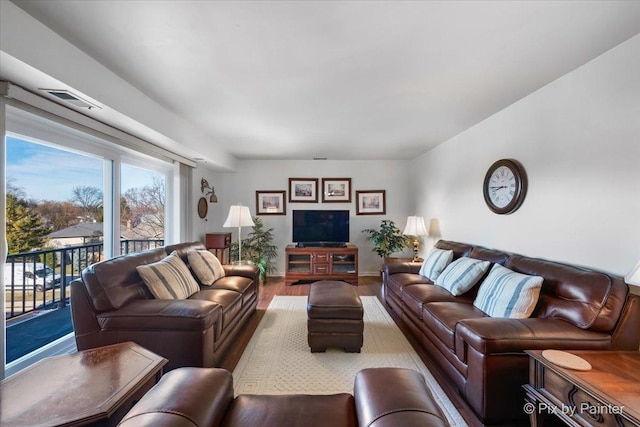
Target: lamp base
{"points": [[416, 245]]}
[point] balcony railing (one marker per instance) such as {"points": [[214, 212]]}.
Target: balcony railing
{"points": [[40, 279]]}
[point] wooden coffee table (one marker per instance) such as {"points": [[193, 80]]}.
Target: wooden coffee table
{"points": [[606, 395], [93, 387]]}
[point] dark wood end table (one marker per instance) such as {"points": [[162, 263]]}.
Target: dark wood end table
{"points": [[607, 395], [94, 387]]}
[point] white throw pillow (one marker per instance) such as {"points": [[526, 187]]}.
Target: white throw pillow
{"points": [[169, 278], [462, 274], [505, 293], [436, 261], [205, 265]]}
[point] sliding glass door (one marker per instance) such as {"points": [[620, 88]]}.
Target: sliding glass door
{"points": [[72, 199]]}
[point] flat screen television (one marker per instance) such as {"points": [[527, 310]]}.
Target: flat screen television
{"points": [[320, 227]]}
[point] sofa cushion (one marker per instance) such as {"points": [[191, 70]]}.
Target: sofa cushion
{"points": [[462, 274], [436, 261], [114, 283], [169, 278], [459, 249], [243, 285], [505, 293], [206, 266], [155, 314], [230, 301], [415, 296], [587, 298], [396, 282], [441, 319]]}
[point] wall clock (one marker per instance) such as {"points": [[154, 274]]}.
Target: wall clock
{"points": [[203, 207], [505, 186]]}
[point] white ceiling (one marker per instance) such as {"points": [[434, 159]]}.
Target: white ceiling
{"points": [[338, 79]]}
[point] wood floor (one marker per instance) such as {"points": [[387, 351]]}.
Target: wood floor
{"points": [[367, 286]]}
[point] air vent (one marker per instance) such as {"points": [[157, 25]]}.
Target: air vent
{"points": [[70, 98]]}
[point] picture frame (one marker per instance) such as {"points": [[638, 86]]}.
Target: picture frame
{"points": [[271, 203], [336, 190], [303, 190], [371, 202]]}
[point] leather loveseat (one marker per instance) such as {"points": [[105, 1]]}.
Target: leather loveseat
{"points": [[484, 357], [198, 397], [110, 303]]}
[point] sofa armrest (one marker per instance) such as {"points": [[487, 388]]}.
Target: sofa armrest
{"points": [[184, 397], [157, 314], [388, 397], [401, 267], [249, 271], [490, 335]]}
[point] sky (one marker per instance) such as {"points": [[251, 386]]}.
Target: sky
{"points": [[46, 173]]}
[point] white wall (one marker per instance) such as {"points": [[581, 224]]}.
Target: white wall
{"points": [[273, 175], [578, 139]]}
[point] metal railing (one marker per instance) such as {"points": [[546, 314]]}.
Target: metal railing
{"points": [[40, 279]]}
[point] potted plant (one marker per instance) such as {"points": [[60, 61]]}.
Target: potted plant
{"points": [[258, 248], [387, 239]]}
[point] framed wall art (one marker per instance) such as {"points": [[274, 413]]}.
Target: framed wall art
{"points": [[303, 190], [336, 190], [371, 202], [271, 203]]}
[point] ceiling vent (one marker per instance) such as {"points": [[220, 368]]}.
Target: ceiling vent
{"points": [[70, 98]]}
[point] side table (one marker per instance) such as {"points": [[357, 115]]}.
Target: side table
{"points": [[607, 395], [95, 387]]}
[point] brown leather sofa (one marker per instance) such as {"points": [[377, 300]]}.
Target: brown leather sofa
{"points": [[484, 357], [110, 303], [382, 397]]}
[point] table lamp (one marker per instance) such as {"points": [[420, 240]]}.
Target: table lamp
{"points": [[633, 278], [415, 227], [239, 216]]}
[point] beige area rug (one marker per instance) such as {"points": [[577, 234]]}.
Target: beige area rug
{"points": [[277, 359]]}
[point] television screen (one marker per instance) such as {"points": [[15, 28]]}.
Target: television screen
{"points": [[319, 226]]}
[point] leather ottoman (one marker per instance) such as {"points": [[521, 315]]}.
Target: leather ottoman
{"points": [[334, 312]]}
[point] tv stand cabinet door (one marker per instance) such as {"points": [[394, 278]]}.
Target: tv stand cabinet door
{"points": [[316, 263]]}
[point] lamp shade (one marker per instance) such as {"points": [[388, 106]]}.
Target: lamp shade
{"points": [[415, 227], [239, 216], [633, 278]]}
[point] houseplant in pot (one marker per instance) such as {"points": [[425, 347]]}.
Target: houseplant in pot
{"points": [[387, 239], [258, 248]]}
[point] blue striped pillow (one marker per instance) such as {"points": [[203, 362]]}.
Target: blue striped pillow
{"points": [[462, 274], [505, 293], [436, 261]]}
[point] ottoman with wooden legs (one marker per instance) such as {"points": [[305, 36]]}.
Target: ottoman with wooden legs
{"points": [[334, 312]]}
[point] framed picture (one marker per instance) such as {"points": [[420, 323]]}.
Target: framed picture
{"points": [[303, 190], [271, 203], [336, 190], [371, 202]]}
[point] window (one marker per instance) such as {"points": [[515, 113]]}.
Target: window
{"points": [[63, 187]]}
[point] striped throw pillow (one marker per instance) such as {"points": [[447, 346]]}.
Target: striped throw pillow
{"points": [[206, 266], [462, 274], [505, 293], [169, 278], [436, 261]]}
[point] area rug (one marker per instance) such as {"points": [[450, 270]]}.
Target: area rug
{"points": [[277, 359]]}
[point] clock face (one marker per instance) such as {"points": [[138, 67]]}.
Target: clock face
{"points": [[504, 186]]}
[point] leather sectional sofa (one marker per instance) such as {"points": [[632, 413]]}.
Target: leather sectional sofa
{"points": [[110, 303], [484, 357], [197, 397]]}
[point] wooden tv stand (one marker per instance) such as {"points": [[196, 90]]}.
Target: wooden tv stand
{"points": [[321, 263]]}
